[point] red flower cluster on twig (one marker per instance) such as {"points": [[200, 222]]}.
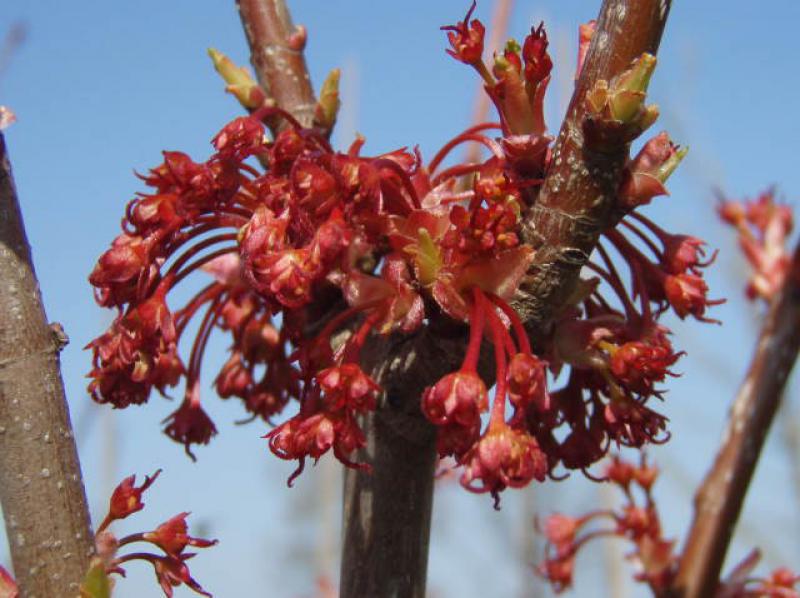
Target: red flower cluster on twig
{"points": [[763, 226], [637, 522], [171, 538], [312, 252]]}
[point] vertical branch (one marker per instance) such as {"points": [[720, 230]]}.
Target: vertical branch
{"points": [[387, 513], [719, 500], [43, 499], [577, 198], [276, 51]]}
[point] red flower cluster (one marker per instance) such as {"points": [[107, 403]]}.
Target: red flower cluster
{"points": [[763, 226], [171, 537], [311, 252], [740, 583], [637, 521]]}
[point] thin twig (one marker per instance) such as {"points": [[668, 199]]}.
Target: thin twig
{"points": [[576, 201], [276, 51], [44, 503], [719, 499]]}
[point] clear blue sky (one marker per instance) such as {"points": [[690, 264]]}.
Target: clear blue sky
{"points": [[100, 88]]}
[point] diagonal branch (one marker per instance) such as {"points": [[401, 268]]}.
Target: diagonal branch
{"points": [[719, 500], [276, 48], [577, 198], [41, 489]]}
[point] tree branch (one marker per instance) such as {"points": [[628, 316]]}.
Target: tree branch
{"points": [[387, 513], [719, 499], [276, 52], [577, 198], [44, 503]]}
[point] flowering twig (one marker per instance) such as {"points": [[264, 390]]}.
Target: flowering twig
{"points": [[276, 47], [720, 497], [42, 494], [576, 201]]}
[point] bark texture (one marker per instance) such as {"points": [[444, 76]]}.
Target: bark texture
{"points": [[276, 52], [576, 202], [44, 503], [719, 499]]}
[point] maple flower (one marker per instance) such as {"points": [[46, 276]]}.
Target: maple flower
{"points": [[189, 424], [457, 398], [635, 522], [763, 226], [466, 38], [503, 458], [127, 498], [172, 537]]}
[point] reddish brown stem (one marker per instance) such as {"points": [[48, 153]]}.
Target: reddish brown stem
{"points": [[719, 499], [276, 52], [576, 201], [44, 503]]}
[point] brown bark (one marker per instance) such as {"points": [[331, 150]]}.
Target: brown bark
{"points": [[276, 52], [387, 513], [42, 493], [577, 198], [719, 499]]}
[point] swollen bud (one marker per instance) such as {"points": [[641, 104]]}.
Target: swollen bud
{"points": [[328, 104], [240, 83], [617, 112]]}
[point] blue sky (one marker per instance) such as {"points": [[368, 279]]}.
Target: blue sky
{"points": [[100, 88]]}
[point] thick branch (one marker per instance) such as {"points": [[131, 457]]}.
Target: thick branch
{"points": [[576, 201], [43, 499], [719, 500], [276, 52], [387, 513]]}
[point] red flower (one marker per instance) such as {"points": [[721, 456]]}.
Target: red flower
{"points": [[537, 61], [560, 531], [190, 424], [632, 424], [686, 294], [172, 572], [347, 388], [527, 384], [172, 536], [123, 271], [240, 138], [234, 379], [639, 364], [127, 498], [458, 398], [503, 457], [558, 571], [683, 253], [466, 38]]}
